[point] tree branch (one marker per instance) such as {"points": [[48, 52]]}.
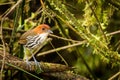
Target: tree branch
{"points": [[49, 69]]}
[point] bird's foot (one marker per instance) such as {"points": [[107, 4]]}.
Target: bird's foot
{"points": [[38, 66], [29, 66]]}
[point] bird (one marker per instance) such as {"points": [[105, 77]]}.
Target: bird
{"points": [[34, 38]]}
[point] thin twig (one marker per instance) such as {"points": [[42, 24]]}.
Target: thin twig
{"points": [[11, 29], [59, 54], [113, 33], [62, 48], [4, 51], [6, 3], [42, 4], [63, 38], [115, 75]]}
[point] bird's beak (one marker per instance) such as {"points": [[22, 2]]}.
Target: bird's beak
{"points": [[49, 31]]}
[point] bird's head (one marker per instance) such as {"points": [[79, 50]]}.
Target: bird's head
{"points": [[43, 28]]}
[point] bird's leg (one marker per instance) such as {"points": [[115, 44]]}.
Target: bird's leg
{"points": [[28, 63], [38, 67]]}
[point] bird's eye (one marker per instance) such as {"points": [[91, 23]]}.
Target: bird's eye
{"points": [[43, 29]]}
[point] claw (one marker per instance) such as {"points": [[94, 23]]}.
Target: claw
{"points": [[28, 64]]}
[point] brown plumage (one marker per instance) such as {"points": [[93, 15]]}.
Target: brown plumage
{"points": [[26, 38]]}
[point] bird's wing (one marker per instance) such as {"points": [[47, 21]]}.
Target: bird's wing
{"points": [[23, 38]]}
